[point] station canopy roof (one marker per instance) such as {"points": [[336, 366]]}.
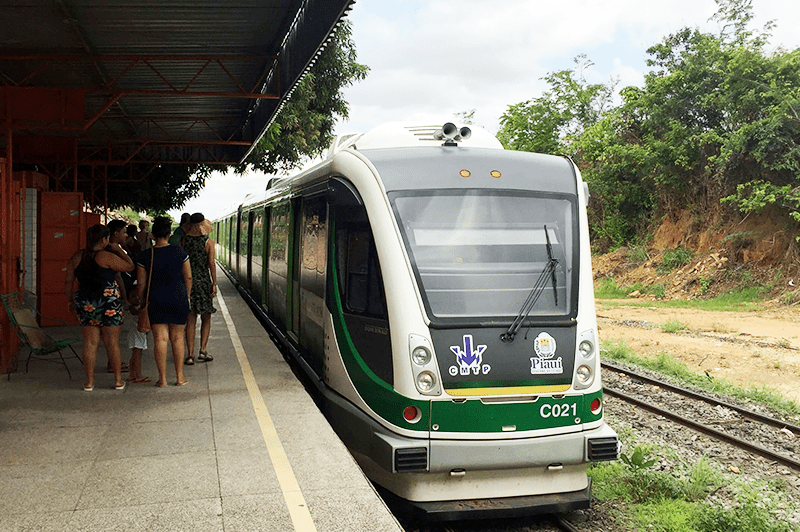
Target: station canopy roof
{"points": [[122, 82]]}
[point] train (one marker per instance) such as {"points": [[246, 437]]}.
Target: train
{"points": [[436, 291]]}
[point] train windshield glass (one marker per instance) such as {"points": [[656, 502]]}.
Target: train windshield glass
{"points": [[478, 254]]}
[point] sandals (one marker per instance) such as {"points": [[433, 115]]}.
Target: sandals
{"points": [[139, 380], [204, 357], [189, 361]]}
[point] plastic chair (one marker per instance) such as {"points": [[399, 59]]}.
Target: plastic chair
{"points": [[23, 318]]}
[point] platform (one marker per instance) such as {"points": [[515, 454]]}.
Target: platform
{"points": [[241, 447]]}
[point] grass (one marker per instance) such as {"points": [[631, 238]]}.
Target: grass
{"points": [[674, 258], [609, 289], [698, 497], [673, 326], [740, 299], [668, 366]]}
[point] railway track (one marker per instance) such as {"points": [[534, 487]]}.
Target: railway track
{"points": [[727, 433], [544, 523]]}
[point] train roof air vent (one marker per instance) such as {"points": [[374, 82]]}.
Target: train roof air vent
{"points": [[398, 135]]}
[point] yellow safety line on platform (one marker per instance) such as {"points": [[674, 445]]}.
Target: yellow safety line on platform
{"points": [[295, 501]]}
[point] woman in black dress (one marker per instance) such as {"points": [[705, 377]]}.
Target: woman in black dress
{"points": [[167, 297]]}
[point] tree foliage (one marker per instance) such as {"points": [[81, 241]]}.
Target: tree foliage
{"points": [[162, 188], [303, 128], [715, 123], [547, 123]]}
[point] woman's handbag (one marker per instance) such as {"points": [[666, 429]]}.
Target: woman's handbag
{"points": [[144, 317]]}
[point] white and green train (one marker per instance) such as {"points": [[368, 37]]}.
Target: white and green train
{"points": [[437, 290]]}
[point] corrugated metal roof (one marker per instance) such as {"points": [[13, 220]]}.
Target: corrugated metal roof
{"points": [[189, 81]]}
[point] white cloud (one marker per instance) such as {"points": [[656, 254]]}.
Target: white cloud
{"points": [[430, 59], [447, 57], [223, 192]]}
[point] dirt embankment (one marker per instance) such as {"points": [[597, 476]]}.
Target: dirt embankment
{"points": [[748, 348]]}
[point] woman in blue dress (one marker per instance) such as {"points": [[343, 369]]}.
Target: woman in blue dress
{"points": [[167, 297], [98, 303]]}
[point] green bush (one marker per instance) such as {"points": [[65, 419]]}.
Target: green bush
{"points": [[657, 290], [673, 326], [638, 254], [680, 499], [674, 258]]}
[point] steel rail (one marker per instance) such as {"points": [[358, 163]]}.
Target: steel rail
{"points": [[761, 418], [751, 447], [564, 525]]}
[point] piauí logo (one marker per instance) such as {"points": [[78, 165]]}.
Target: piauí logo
{"points": [[469, 358]]}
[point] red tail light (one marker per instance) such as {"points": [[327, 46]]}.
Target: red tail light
{"points": [[412, 414], [595, 406]]}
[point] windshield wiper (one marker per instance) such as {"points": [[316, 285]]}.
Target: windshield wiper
{"points": [[535, 293]]}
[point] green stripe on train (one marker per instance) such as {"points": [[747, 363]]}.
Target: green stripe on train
{"points": [[474, 415]]}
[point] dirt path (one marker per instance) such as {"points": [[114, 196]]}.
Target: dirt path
{"points": [[747, 348]]}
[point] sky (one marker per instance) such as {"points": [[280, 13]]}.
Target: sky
{"points": [[431, 59]]}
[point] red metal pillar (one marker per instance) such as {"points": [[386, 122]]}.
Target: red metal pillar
{"points": [[8, 339], [6, 253]]}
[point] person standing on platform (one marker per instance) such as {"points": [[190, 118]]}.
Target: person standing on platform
{"points": [[180, 232], [98, 303], [204, 284], [131, 243], [144, 237], [117, 235], [167, 295]]}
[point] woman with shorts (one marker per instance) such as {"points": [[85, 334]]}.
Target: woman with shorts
{"points": [[98, 303]]}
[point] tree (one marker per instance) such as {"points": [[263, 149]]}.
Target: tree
{"points": [[165, 187], [547, 124], [717, 120], [304, 126]]}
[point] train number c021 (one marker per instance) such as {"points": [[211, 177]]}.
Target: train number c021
{"points": [[559, 410]]}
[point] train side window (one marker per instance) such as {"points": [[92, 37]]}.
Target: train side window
{"points": [[361, 285], [357, 288]]}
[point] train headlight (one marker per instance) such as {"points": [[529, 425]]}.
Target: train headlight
{"points": [[584, 374], [426, 381], [423, 365], [421, 356], [586, 348]]}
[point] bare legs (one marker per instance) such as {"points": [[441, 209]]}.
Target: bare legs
{"points": [[163, 335], [205, 332], [91, 341], [110, 337]]}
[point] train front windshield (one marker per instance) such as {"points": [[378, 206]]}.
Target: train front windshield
{"points": [[481, 254]]}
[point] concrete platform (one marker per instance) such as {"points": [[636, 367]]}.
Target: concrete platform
{"points": [[241, 447]]}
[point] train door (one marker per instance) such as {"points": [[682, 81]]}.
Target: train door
{"points": [[228, 241], [244, 249], [235, 251], [294, 270], [265, 255], [278, 264], [257, 255], [311, 277]]}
